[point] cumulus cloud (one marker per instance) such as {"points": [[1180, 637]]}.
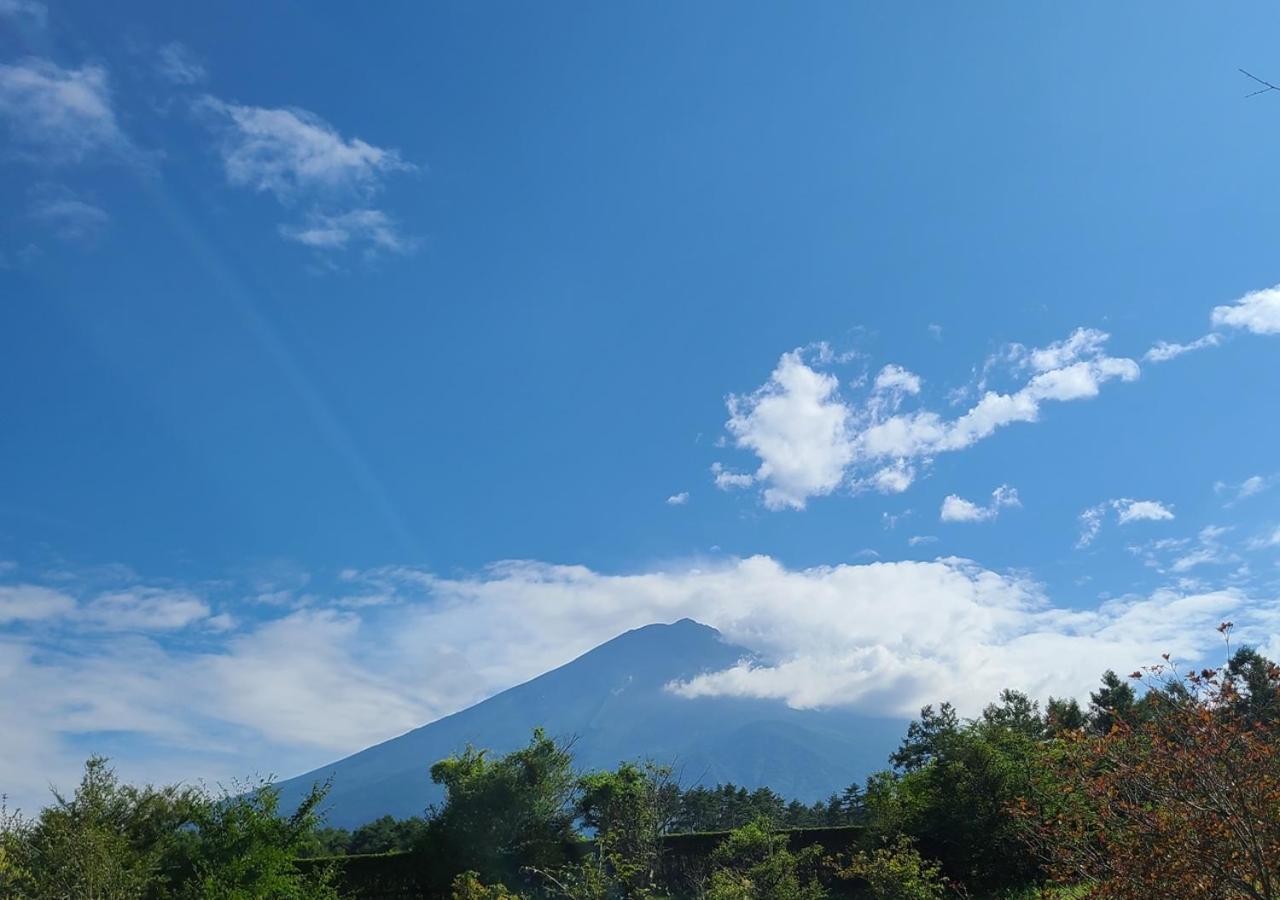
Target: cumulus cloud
{"points": [[679, 499], [800, 429], [811, 440], [1141, 511], [1256, 311], [57, 115], [1163, 351], [958, 509]]}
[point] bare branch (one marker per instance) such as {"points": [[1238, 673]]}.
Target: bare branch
{"points": [[1267, 86]]}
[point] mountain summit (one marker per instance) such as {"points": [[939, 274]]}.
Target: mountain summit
{"points": [[613, 700]]}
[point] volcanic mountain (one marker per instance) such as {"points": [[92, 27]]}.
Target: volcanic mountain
{"points": [[614, 702]]}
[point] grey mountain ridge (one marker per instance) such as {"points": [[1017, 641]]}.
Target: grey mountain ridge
{"points": [[614, 703]]}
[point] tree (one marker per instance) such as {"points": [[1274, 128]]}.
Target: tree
{"points": [[954, 788], [628, 811], [1111, 704], [501, 816], [1062, 715], [106, 841], [1184, 802], [243, 848], [896, 872], [753, 863]]}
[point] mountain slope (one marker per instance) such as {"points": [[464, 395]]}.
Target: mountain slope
{"points": [[612, 700]]}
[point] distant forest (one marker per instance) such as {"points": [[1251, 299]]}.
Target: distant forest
{"points": [[1164, 784]]}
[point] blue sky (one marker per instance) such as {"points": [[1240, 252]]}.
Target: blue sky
{"points": [[831, 325]]}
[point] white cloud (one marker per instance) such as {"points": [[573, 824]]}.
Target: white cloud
{"points": [[894, 478], [1250, 487], [32, 603], [1126, 509], [958, 509], [371, 228], [799, 428], [1266, 540], [177, 64], [298, 157], [57, 115], [727, 480], [919, 540], [293, 153], [1256, 311], [1164, 351], [1141, 511], [146, 609], [896, 378], [679, 499], [811, 441], [1082, 343]]}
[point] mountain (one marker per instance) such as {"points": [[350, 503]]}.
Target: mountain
{"points": [[612, 700]]}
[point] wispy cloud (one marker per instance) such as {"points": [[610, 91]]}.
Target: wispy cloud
{"points": [[66, 214], [295, 154], [371, 229], [679, 499], [302, 160], [1163, 351], [1251, 486], [1127, 510], [56, 115], [178, 65], [29, 11]]}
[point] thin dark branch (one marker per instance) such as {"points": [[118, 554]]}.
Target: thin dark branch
{"points": [[1267, 86]]}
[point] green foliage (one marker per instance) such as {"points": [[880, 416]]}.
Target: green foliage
{"points": [[1111, 704], [106, 841], [110, 841], [245, 849], [468, 886], [502, 816], [753, 863], [897, 872], [955, 787]]}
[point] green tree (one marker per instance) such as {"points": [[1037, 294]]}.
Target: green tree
{"points": [[628, 811], [1063, 715], [1112, 703], [896, 872], [501, 816], [106, 841], [245, 849], [753, 863]]}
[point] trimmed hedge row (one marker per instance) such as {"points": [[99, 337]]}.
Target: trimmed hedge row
{"points": [[402, 876]]}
